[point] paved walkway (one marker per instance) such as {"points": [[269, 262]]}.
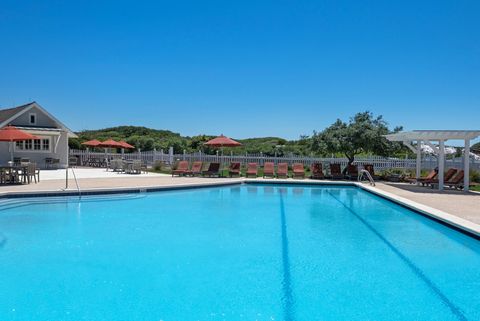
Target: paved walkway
{"points": [[458, 203], [59, 174]]}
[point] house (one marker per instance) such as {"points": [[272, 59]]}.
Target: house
{"points": [[53, 135]]}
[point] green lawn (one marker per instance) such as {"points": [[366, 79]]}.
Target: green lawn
{"points": [[475, 188]]}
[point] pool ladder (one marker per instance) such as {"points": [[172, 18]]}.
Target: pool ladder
{"points": [[364, 172], [76, 181]]}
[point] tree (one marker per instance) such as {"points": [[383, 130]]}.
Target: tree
{"points": [[476, 147], [362, 134]]}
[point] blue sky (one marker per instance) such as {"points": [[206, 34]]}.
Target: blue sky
{"points": [[243, 68]]}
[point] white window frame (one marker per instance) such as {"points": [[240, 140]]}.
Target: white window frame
{"points": [[50, 139], [30, 118]]}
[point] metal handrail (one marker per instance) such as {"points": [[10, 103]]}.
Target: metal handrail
{"points": [[75, 179], [76, 182], [364, 172]]}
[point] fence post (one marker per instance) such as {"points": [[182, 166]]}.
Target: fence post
{"points": [[170, 155]]}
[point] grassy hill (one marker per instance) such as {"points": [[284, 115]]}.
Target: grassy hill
{"points": [[148, 139]]}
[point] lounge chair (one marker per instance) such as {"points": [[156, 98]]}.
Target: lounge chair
{"points": [[252, 170], [316, 171], [457, 180], [433, 173], [269, 170], [182, 168], [282, 170], [234, 169], [213, 170], [448, 175], [352, 171], [196, 169], [369, 168], [298, 170], [117, 165], [336, 171]]}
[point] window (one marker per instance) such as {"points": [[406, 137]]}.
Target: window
{"points": [[36, 144], [40, 145], [33, 119], [45, 144]]}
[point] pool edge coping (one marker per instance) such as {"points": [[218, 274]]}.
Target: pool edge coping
{"points": [[451, 220]]}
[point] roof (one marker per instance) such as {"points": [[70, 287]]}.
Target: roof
{"points": [[433, 135], [6, 114], [9, 114]]}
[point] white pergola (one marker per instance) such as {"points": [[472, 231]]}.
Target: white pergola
{"points": [[440, 136]]}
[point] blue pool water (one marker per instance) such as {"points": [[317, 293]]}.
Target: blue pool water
{"points": [[249, 252]]}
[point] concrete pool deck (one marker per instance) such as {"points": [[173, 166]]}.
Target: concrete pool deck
{"points": [[457, 207]]}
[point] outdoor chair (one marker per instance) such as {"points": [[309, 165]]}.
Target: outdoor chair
{"points": [[433, 173], [252, 170], [369, 168], [352, 171], [117, 165], [10, 176], [316, 171], [336, 171], [298, 170], [213, 170], [182, 168], [51, 162], [448, 175], [268, 169], [136, 167], [282, 170], [73, 161], [454, 182], [32, 173], [457, 180], [196, 169], [234, 169]]}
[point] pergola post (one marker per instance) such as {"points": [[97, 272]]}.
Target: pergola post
{"points": [[419, 161], [466, 166], [441, 164]]}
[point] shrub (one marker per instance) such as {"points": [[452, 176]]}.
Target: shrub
{"points": [[158, 166], [474, 176]]}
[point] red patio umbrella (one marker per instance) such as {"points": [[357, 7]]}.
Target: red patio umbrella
{"points": [[110, 143], [222, 141], [13, 134], [125, 144], [92, 143]]}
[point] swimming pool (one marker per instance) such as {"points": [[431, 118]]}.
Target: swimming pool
{"points": [[242, 252]]}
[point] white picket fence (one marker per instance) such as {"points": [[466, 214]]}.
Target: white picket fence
{"points": [[84, 157]]}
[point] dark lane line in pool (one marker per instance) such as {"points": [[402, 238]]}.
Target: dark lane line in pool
{"points": [[3, 240], [287, 297], [418, 272]]}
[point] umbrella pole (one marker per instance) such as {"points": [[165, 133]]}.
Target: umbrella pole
{"points": [[11, 151]]}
